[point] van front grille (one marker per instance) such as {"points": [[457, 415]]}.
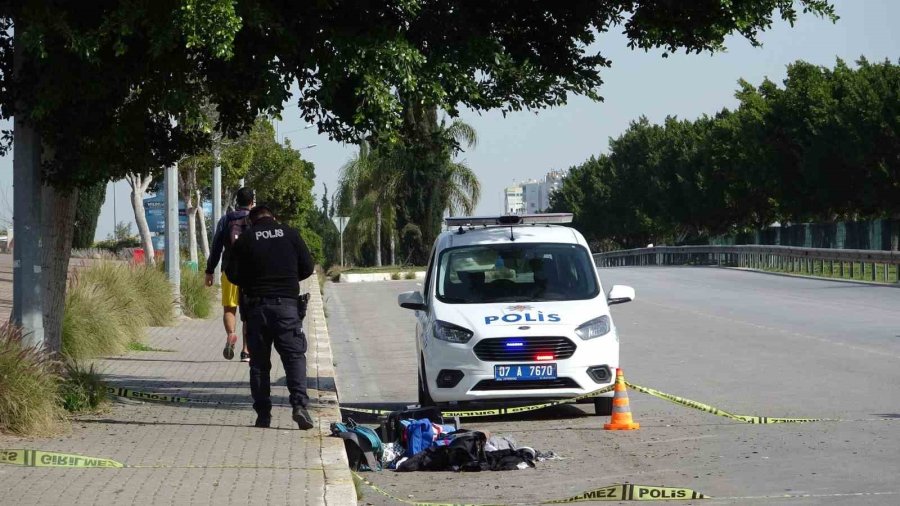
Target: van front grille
{"points": [[523, 349]]}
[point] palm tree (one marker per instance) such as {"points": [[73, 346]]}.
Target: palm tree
{"points": [[461, 189], [368, 189]]}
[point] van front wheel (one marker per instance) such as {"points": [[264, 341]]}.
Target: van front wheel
{"points": [[425, 399], [603, 406]]}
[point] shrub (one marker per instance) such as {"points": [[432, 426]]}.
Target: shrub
{"points": [[118, 280], [320, 277], [94, 254], [334, 273], [109, 304], [196, 298], [410, 275], [156, 294], [82, 390], [117, 245], [395, 276], [28, 392], [94, 322]]}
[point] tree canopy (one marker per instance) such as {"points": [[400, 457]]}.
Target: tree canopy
{"points": [[825, 146], [113, 85]]}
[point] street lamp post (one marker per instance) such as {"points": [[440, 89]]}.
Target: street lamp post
{"points": [[27, 311], [173, 246], [217, 200]]}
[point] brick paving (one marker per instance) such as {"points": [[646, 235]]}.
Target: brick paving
{"points": [[196, 453]]}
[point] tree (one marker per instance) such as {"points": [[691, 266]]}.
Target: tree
{"points": [[281, 177], [433, 181], [823, 147], [322, 225], [189, 188], [131, 68], [125, 81], [369, 183], [87, 212], [139, 184]]}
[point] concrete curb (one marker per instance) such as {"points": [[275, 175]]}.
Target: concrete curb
{"points": [[339, 488], [363, 277]]}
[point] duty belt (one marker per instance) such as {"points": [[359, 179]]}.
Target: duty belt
{"points": [[255, 301]]}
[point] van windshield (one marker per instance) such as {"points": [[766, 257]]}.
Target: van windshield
{"points": [[525, 272]]}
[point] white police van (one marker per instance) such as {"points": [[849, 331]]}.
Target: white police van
{"points": [[512, 308]]}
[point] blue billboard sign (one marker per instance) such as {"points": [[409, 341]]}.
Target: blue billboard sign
{"points": [[155, 212]]}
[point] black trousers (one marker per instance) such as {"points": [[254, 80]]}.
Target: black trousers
{"points": [[276, 321]]}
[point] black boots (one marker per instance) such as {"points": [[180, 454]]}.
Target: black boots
{"points": [[301, 416]]}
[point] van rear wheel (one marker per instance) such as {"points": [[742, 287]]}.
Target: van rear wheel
{"points": [[425, 399], [603, 406]]}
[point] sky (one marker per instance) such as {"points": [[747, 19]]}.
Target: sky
{"points": [[526, 145]]}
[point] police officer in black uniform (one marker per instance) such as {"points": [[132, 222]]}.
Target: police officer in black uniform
{"points": [[267, 262]]}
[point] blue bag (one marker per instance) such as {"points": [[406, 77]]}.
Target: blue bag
{"points": [[419, 436]]}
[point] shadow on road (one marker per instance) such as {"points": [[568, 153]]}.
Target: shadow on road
{"points": [[109, 421]]}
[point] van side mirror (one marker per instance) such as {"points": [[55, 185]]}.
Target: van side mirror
{"points": [[620, 294], [411, 300]]}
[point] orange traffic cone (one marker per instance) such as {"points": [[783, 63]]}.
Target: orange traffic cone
{"points": [[621, 415]]}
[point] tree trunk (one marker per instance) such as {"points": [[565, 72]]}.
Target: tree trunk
{"points": [[191, 212], [56, 236], [187, 185], [393, 248], [139, 185], [204, 238], [377, 235], [895, 232]]}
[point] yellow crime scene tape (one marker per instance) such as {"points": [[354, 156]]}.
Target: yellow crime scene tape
{"points": [[131, 393], [38, 458], [621, 492], [706, 408], [149, 396], [495, 411]]}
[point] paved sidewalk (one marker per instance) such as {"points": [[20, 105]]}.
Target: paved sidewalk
{"points": [[195, 453]]}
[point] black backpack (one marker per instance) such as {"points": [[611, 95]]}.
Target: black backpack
{"points": [[236, 227]]}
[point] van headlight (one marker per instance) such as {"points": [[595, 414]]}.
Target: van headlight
{"points": [[451, 333], [594, 328]]}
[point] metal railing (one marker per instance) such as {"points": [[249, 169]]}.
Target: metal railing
{"points": [[775, 258]]}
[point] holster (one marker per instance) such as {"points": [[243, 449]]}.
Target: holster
{"points": [[302, 304]]}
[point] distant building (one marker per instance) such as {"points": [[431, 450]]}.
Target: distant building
{"points": [[512, 200], [533, 195]]}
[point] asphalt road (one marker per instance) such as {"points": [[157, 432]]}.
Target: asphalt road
{"points": [[749, 343]]}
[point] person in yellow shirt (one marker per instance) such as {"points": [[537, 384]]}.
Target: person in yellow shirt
{"points": [[229, 228]]}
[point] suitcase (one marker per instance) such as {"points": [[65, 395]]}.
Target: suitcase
{"points": [[392, 430]]}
